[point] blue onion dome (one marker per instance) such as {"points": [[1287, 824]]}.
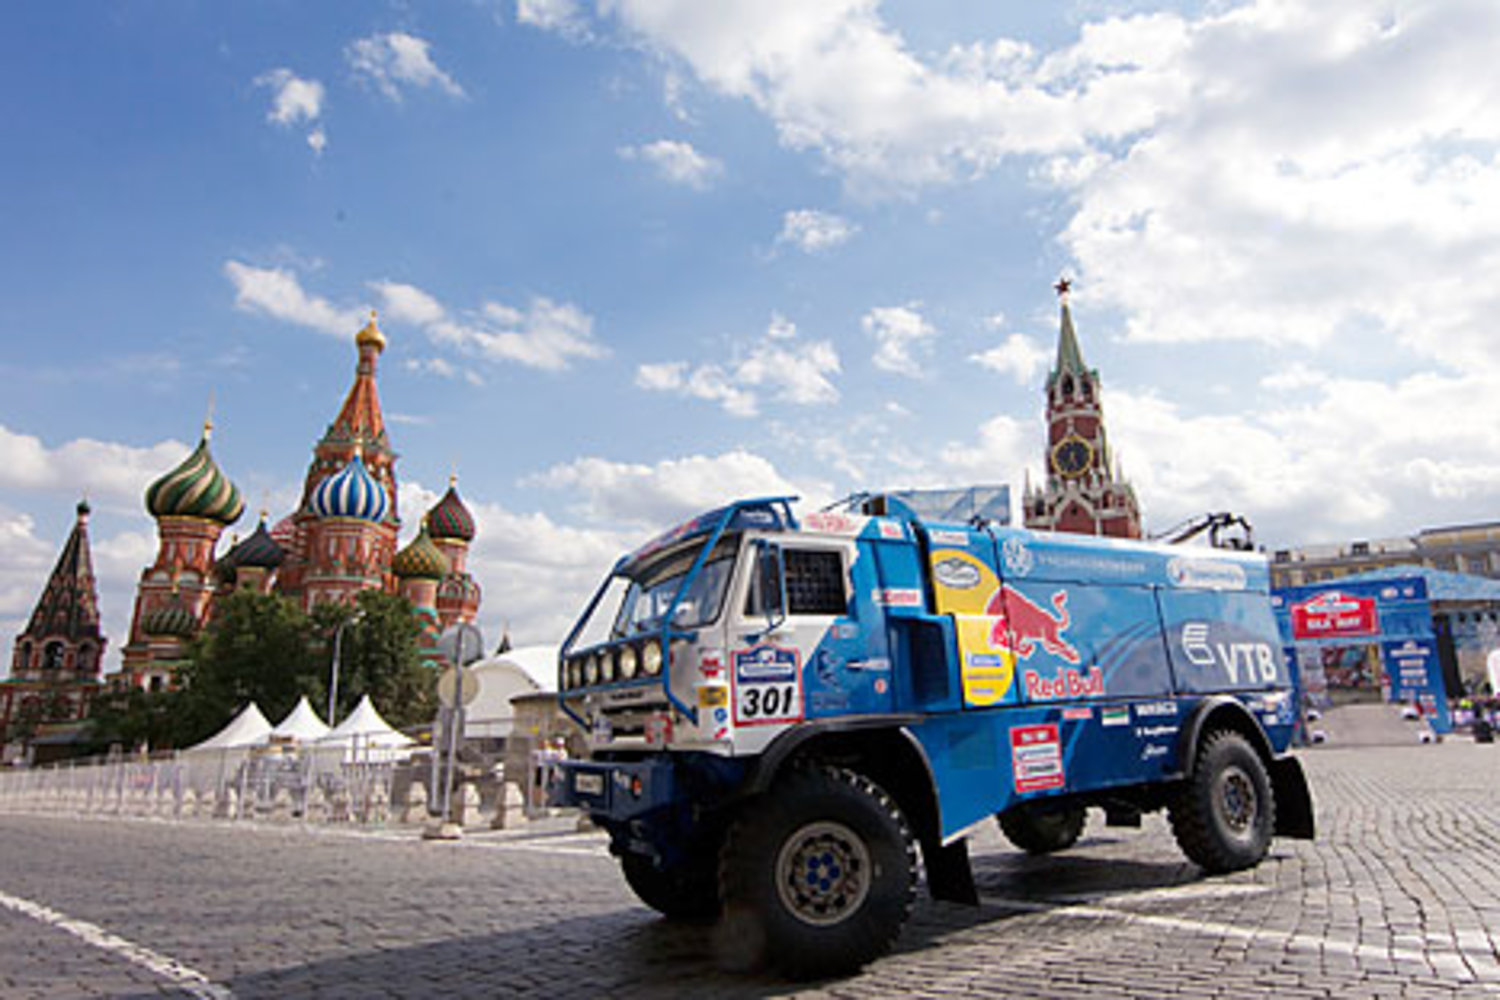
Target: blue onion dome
{"points": [[351, 492], [421, 559], [171, 619], [259, 551], [450, 519], [196, 488]]}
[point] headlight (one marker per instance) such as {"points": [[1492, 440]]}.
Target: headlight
{"points": [[651, 659], [591, 669], [607, 665], [627, 662], [575, 673]]}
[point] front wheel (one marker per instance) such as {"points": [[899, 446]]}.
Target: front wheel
{"points": [[821, 870], [1224, 815], [688, 891]]}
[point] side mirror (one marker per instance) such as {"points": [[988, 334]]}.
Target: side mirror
{"points": [[770, 576]]}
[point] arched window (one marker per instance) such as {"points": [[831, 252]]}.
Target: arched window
{"points": [[1067, 386], [24, 663], [85, 660], [52, 655]]}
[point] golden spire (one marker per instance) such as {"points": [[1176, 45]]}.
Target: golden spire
{"points": [[370, 334]]}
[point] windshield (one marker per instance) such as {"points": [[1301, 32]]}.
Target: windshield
{"points": [[646, 602], [636, 601]]}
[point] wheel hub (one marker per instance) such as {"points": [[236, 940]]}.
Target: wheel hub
{"points": [[823, 873], [1237, 800]]}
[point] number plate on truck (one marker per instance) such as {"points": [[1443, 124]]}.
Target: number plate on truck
{"points": [[588, 784]]}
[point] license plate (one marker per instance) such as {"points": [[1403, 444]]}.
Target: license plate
{"points": [[588, 784]]}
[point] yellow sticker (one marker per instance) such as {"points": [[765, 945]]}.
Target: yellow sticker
{"points": [[713, 697], [967, 588]]}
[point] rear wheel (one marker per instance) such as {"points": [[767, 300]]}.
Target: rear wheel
{"points": [[1224, 815], [1037, 829], [820, 872], [687, 891]]}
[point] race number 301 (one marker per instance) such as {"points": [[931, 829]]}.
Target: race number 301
{"points": [[767, 685]]}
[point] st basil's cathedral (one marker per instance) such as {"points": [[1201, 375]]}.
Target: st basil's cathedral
{"points": [[340, 540]]}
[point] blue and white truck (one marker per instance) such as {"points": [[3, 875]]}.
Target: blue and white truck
{"points": [[782, 712]]}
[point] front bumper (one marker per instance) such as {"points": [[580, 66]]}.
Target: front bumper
{"points": [[615, 791]]}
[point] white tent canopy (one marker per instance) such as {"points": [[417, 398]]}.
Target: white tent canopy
{"points": [[364, 727], [505, 676], [244, 730], [301, 725]]}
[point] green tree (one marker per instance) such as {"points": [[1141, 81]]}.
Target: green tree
{"points": [[134, 718], [379, 655], [257, 647]]}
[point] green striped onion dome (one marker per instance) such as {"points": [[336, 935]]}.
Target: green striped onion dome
{"points": [[196, 488], [421, 559], [170, 619], [450, 519], [351, 492]]}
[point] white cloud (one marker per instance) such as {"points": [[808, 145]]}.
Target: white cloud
{"points": [[408, 303], [296, 101], [813, 231], [547, 335], [1018, 356], [677, 162], [900, 333], [398, 60], [792, 371], [653, 497], [103, 470], [565, 17], [835, 78], [278, 293]]}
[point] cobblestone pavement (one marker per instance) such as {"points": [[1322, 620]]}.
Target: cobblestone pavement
{"points": [[1399, 896]]}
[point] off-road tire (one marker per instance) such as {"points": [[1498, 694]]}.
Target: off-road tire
{"points": [[820, 872], [1225, 813], [688, 891], [1036, 829]]}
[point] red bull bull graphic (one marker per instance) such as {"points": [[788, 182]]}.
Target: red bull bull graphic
{"points": [[1024, 625]]}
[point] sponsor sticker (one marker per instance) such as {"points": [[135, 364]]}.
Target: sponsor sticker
{"points": [[1155, 732], [1116, 715], [892, 530], [713, 696], [941, 536], [956, 574], [1206, 574], [833, 523], [1066, 683], [899, 597], [767, 685], [1077, 714], [1150, 709], [1036, 758]]}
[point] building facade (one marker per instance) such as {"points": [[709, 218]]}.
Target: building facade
{"points": [[341, 539], [56, 662], [1466, 548], [1083, 492]]}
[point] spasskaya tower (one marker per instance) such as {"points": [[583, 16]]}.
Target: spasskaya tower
{"points": [[1083, 493]]}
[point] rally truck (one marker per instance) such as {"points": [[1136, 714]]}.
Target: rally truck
{"points": [[781, 712]]}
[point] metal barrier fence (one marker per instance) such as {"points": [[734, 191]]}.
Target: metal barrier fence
{"points": [[356, 785]]}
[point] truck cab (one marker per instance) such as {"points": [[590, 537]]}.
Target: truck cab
{"points": [[781, 712]]}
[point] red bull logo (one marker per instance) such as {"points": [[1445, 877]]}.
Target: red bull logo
{"points": [[1022, 625], [1068, 683]]}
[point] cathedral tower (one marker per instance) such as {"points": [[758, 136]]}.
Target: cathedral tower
{"points": [[55, 667], [1082, 493], [357, 432], [192, 505], [452, 529]]}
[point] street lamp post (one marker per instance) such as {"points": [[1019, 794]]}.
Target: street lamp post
{"points": [[333, 670]]}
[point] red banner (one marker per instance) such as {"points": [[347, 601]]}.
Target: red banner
{"points": [[1333, 614]]}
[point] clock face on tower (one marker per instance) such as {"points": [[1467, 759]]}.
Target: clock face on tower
{"points": [[1072, 456]]}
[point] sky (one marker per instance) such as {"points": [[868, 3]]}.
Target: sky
{"points": [[637, 257]]}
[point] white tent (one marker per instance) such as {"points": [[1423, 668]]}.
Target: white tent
{"points": [[244, 730], [302, 724], [504, 676], [365, 728]]}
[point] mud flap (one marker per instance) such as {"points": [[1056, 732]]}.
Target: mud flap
{"points": [[949, 876], [1294, 809]]}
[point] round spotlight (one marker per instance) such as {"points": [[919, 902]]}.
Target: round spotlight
{"points": [[651, 659], [628, 662], [591, 669]]}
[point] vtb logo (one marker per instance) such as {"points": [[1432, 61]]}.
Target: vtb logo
{"points": [[1256, 659]]}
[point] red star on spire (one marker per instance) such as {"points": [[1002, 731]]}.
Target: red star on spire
{"points": [[1062, 287]]}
